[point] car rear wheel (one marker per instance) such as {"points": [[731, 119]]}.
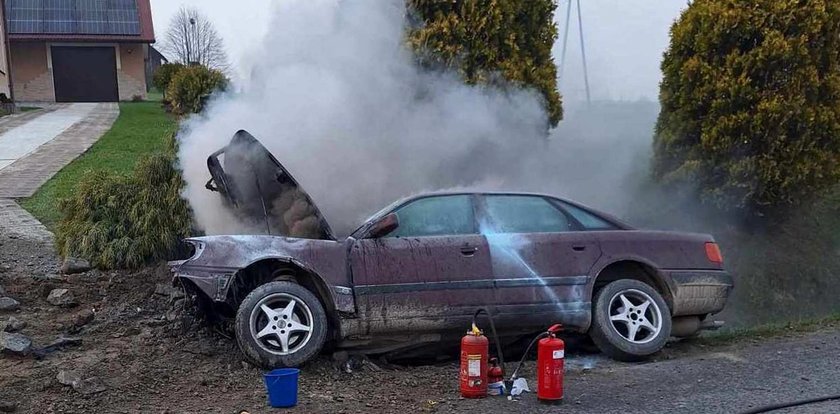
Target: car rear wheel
{"points": [[630, 320], [280, 324]]}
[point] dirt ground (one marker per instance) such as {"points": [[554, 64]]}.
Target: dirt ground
{"points": [[140, 353]]}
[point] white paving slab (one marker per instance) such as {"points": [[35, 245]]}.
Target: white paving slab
{"points": [[25, 139]]}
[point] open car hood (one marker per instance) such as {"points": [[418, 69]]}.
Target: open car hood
{"points": [[262, 193]]}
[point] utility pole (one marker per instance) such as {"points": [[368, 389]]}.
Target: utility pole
{"points": [[583, 54], [565, 39]]}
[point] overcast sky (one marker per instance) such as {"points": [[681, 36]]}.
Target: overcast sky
{"points": [[624, 40]]}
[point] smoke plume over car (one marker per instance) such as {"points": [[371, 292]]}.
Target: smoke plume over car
{"points": [[339, 100]]}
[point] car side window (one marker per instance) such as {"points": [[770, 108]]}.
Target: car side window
{"points": [[588, 220], [524, 214], [436, 216]]}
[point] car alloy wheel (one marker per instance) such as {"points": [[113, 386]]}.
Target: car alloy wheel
{"points": [[635, 316], [630, 320], [281, 323]]}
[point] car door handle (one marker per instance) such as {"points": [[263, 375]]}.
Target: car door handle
{"points": [[469, 251], [578, 248]]}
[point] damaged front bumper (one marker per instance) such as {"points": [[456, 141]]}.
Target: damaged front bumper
{"points": [[212, 281], [700, 292]]}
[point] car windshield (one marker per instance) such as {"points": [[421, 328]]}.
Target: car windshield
{"points": [[385, 210]]}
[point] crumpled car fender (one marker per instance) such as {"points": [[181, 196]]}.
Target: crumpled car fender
{"points": [[218, 260]]}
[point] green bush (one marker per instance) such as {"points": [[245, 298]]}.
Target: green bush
{"points": [[164, 74], [117, 221], [190, 88], [750, 102]]}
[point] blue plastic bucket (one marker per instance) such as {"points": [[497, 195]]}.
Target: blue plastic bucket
{"points": [[282, 386]]}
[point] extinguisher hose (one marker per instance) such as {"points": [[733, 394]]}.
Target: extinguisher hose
{"points": [[525, 354], [781, 406], [495, 335]]}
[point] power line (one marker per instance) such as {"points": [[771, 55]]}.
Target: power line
{"points": [[562, 68]]}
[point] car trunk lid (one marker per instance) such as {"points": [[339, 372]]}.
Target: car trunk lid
{"points": [[262, 193]]}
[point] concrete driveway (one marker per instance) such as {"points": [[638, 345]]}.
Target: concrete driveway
{"points": [[36, 145]]}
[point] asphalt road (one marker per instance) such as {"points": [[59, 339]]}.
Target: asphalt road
{"points": [[721, 379]]}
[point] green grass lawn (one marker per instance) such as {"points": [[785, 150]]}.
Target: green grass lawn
{"points": [[140, 129], [154, 95]]}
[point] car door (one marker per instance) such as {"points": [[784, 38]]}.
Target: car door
{"points": [[428, 274], [540, 260]]}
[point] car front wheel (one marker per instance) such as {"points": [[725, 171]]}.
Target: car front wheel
{"points": [[630, 320], [280, 324]]}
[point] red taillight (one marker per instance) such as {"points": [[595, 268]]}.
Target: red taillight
{"points": [[713, 253]]}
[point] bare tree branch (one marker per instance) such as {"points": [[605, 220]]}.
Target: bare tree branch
{"points": [[192, 39]]}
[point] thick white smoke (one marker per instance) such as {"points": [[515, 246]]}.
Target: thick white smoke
{"points": [[340, 102]]}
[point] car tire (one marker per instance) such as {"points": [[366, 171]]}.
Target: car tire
{"points": [[630, 320], [273, 334]]}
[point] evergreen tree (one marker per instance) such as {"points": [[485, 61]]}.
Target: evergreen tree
{"points": [[497, 42], [750, 102]]}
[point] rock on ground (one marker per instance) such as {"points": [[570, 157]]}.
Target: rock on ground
{"points": [[72, 266], [68, 378], [15, 344], [8, 304], [87, 386], [83, 318], [13, 325], [90, 386], [62, 297]]}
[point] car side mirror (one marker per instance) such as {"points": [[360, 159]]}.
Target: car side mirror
{"points": [[384, 226]]}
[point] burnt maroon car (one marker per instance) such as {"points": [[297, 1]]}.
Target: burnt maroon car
{"points": [[415, 272]]}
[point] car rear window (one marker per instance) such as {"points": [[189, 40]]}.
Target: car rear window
{"points": [[436, 216], [524, 214]]}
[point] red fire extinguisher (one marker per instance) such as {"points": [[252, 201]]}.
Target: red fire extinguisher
{"points": [[474, 355], [550, 356], [495, 373]]}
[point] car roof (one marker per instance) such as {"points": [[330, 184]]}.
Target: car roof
{"points": [[494, 192]]}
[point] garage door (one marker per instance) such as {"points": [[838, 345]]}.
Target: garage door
{"points": [[85, 74]]}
